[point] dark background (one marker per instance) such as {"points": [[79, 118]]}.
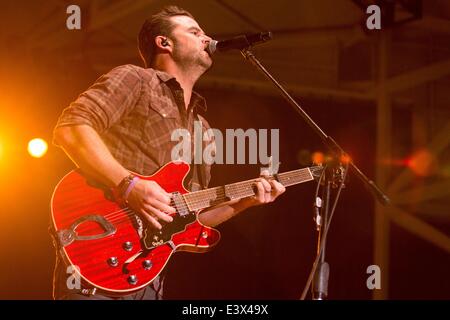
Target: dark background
{"points": [[266, 252]]}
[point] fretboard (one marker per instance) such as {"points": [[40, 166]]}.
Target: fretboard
{"points": [[214, 196]]}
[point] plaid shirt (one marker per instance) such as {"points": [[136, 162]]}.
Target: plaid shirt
{"points": [[135, 111]]}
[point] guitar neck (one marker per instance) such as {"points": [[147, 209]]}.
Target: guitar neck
{"points": [[214, 196]]}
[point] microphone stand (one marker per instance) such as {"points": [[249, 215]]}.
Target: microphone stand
{"points": [[321, 277], [335, 149], [320, 282]]}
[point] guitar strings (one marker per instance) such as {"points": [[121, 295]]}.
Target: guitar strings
{"points": [[196, 200]]}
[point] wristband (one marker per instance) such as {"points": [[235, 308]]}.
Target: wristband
{"points": [[121, 188], [130, 187]]}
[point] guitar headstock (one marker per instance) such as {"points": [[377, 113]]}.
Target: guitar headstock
{"points": [[335, 174]]}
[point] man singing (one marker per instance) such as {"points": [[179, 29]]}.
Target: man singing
{"points": [[124, 121]]}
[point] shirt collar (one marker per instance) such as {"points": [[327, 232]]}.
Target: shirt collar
{"points": [[196, 99], [164, 76]]}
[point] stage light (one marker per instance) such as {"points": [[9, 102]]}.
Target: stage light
{"points": [[422, 163], [318, 157], [345, 158], [37, 147]]}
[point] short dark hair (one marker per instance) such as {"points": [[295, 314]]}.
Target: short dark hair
{"points": [[158, 24]]}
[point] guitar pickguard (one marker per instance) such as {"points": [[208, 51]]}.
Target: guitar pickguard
{"points": [[154, 238]]}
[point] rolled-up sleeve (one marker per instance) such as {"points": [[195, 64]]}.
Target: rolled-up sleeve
{"points": [[107, 101]]}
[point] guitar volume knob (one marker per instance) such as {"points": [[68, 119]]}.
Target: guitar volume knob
{"points": [[147, 264], [113, 262], [128, 246], [132, 279]]}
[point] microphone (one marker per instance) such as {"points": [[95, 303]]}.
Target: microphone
{"points": [[238, 43]]}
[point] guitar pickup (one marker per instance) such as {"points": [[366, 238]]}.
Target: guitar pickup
{"points": [[180, 204]]}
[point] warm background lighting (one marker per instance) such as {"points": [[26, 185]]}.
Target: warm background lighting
{"points": [[345, 159], [318, 157], [422, 163], [37, 147]]}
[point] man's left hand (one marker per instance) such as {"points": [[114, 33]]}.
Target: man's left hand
{"points": [[267, 191]]}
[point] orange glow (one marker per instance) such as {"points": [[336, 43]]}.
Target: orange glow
{"points": [[318, 157], [37, 147], [422, 163], [345, 158]]}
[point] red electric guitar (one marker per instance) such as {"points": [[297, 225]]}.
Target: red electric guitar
{"points": [[111, 246]]}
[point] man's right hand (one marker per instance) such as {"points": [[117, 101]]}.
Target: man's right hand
{"points": [[85, 147], [151, 201]]}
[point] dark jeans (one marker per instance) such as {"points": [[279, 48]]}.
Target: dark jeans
{"points": [[153, 291]]}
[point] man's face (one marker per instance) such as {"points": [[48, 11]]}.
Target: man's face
{"points": [[190, 43]]}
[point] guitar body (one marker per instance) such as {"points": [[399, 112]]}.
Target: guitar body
{"points": [[110, 246]]}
